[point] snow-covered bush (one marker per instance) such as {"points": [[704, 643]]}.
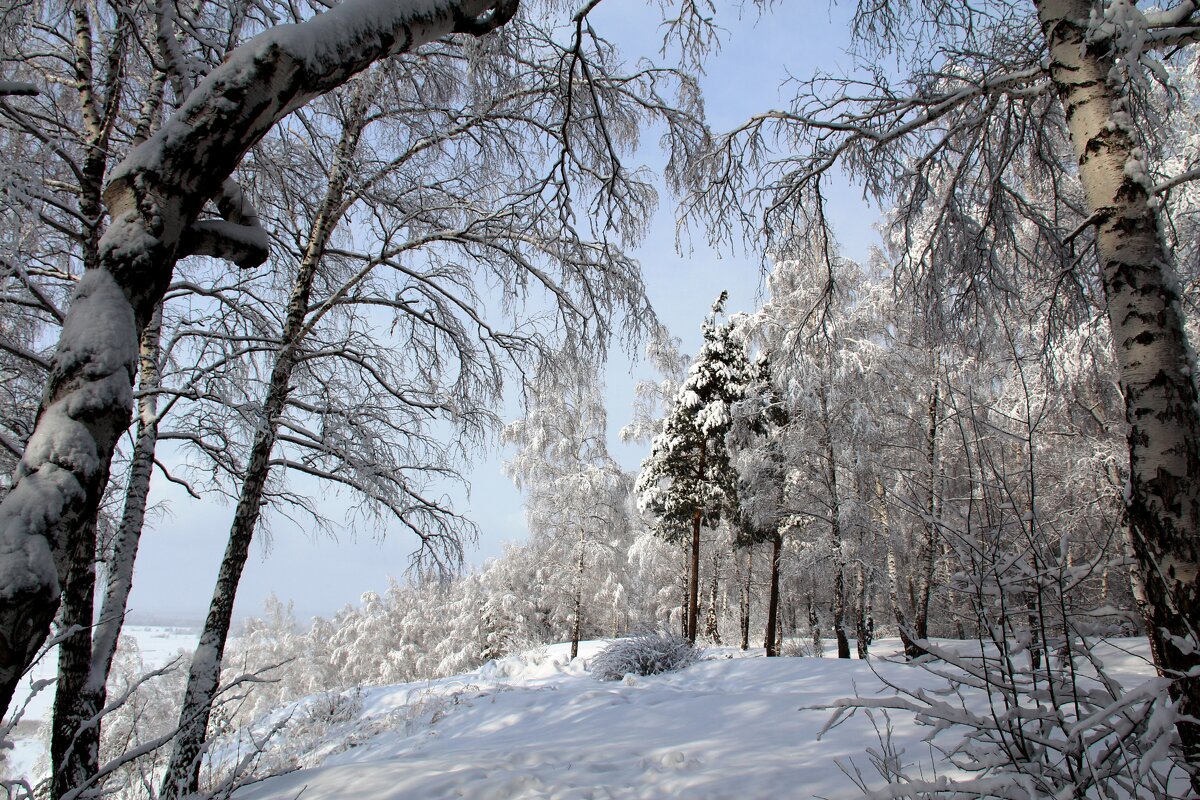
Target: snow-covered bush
{"points": [[801, 648], [648, 654]]}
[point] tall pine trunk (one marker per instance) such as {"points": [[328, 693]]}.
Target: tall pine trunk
{"points": [[1156, 366], [693, 606], [769, 640], [183, 772]]}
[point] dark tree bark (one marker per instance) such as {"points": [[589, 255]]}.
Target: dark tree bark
{"points": [[745, 605], [769, 640]]}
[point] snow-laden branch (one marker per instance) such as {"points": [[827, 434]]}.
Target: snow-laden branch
{"points": [[154, 196]]}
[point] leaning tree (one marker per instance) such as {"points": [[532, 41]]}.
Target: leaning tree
{"points": [[156, 200]]}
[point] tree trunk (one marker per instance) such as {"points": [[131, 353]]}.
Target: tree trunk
{"points": [[773, 596], [929, 540], [577, 625], [745, 618], [835, 534], [182, 774], [839, 612], [712, 630], [694, 573], [911, 650], [693, 595], [814, 628], [74, 748], [72, 765], [861, 611], [1156, 366], [81, 701], [154, 198]]}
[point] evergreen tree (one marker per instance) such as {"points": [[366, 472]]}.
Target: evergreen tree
{"points": [[688, 481]]}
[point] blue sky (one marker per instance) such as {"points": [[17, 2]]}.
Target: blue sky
{"points": [[180, 553]]}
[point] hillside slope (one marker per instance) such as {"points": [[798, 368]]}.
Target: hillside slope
{"points": [[537, 726]]}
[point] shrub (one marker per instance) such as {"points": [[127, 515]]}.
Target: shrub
{"points": [[648, 654]]}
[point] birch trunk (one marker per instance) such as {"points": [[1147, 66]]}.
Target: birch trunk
{"points": [[72, 765], [204, 676], [80, 700], [74, 745], [1156, 367], [577, 624], [835, 534], [154, 199]]}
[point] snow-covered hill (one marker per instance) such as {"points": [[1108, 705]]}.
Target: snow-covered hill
{"points": [[539, 726]]}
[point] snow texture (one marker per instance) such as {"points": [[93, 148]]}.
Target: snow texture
{"points": [[539, 725]]}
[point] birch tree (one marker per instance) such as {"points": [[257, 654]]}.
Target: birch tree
{"points": [[574, 490], [155, 200], [1054, 91]]}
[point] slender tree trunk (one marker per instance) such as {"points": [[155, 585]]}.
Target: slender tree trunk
{"points": [[1156, 366], [712, 630], [577, 625], [773, 596], [745, 619], [684, 587], [839, 612], [903, 624], [183, 772], [693, 595], [694, 574], [814, 628], [154, 198], [835, 534], [72, 754], [861, 611], [929, 540]]}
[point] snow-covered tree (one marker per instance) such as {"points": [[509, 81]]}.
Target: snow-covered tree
{"points": [[574, 491], [688, 481], [998, 99]]}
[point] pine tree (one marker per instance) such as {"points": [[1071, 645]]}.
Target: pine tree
{"points": [[688, 481]]}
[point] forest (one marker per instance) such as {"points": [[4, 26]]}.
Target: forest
{"points": [[248, 247]]}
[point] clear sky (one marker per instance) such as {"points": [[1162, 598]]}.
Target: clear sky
{"points": [[182, 548]]}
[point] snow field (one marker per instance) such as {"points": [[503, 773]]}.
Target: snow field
{"points": [[540, 726]]}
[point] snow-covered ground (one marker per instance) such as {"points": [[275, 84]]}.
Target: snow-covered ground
{"points": [[156, 645], [539, 726]]}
